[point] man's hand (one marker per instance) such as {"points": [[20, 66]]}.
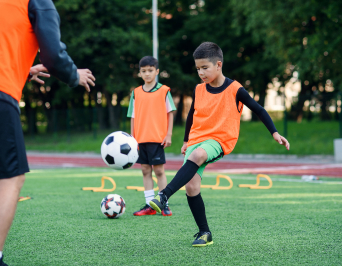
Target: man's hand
{"points": [[184, 147], [86, 78], [167, 141], [281, 140], [36, 71]]}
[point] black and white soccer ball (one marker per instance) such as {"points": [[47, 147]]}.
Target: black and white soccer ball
{"points": [[119, 150], [113, 206]]}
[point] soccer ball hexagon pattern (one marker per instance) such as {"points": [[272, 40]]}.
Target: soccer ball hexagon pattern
{"points": [[119, 150], [113, 206]]}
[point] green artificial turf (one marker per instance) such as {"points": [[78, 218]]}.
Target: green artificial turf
{"points": [[306, 138], [293, 223]]}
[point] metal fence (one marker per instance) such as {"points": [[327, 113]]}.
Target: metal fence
{"points": [[54, 121]]}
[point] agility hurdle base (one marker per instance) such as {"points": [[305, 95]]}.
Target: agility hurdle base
{"points": [[257, 185], [101, 188]]}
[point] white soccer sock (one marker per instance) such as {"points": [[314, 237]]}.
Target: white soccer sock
{"points": [[149, 195], [0, 254]]}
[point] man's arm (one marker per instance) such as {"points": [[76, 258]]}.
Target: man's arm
{"points": [[36, 72], [46, 25]]}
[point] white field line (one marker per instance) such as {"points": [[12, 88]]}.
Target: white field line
{"points": [[279, 179], [281, 168], [296, 180]]}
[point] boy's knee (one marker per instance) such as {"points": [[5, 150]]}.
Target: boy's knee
{"points": [[198, 156], [159, 170], [192, 189], [146, 169]]}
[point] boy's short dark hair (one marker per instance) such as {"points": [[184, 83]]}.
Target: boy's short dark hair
{"points": [[148, 61], [210, 51]]}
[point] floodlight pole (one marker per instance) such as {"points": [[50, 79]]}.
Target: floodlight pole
{"points": [[155, 29], [285, 116], [340, 115]]}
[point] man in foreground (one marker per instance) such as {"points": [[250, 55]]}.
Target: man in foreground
{"points": [[25, 27]]}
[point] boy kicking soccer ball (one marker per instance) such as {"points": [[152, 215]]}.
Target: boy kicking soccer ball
{"points": [[212, 130], [150, 109]]}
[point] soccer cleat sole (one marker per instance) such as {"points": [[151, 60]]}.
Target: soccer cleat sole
{"points": [[145, 214], [203, 245], [166, 214], [155, 207]]}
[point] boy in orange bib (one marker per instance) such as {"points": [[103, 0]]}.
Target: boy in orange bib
{"points": [[151, 111], [212, 130]]}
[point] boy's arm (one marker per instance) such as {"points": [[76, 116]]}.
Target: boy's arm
{"points": [[170, 107], [130, 112], [243, 96], [281, 140], [132, 127], [167, 140], [190, 118]]}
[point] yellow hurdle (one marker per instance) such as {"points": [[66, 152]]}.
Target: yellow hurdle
{"points": [[217, 185], [24, 198], [102, 189], [142, 188], [257, 185]]}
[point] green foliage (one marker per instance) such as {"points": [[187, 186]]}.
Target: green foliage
{"points": [[303, 36], [261, 40], [293, 223], [107, 37]]}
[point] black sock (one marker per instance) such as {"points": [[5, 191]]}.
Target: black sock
{"points": [[197, 208], [183, 176]]}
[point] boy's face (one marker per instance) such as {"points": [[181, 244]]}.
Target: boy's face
{"points": [[208, 71], [149, 73]]}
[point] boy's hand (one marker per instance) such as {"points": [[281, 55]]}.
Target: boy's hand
{"points": [[167, 141], [184, 147], [35, 71], [86, 78], [281, 140]]}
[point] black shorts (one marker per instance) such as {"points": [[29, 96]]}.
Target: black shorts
{"points": [[151, 153], [13, 160]]}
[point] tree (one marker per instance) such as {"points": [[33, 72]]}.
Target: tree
{"points": [[306, 35]]}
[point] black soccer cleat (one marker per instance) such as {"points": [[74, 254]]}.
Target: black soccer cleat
{"points": [[1, 261], [203, 239], [159, 202]]}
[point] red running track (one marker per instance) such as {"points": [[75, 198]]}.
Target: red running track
{"points": [[223, 166]]}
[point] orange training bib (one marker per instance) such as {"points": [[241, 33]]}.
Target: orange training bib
{"points": [[18, 46], [150, 115], [216, 117]]}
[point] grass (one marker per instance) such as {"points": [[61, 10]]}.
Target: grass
{"points": [[306, 138], [293, 223]]}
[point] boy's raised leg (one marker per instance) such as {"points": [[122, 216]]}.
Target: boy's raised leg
{"points": [[183, 176]]}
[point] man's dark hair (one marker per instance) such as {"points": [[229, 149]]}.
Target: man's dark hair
{"points": [[210, 51], [148, 61]]}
